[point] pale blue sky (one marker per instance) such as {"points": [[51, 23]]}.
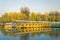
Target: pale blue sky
{"points": [[34, 5]]}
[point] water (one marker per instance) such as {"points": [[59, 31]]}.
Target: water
{"points": [[54, 34]]}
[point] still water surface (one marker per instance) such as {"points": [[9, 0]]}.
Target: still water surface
{"points": [[50, 35]]}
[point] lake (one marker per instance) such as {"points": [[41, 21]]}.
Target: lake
{"points": [[54, 34]]}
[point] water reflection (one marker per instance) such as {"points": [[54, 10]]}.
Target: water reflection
{"points": [[24, 37], [54, 33]]}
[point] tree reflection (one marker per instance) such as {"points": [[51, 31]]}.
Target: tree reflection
{"points": [[35, 34], [3, 31], [24, 37]]}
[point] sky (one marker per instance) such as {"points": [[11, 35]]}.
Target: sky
{"points": [[41, 6]]}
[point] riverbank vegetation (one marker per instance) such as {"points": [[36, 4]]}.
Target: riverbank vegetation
{"points": [[25, 14]]}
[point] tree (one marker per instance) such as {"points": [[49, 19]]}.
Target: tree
{"points": [[54, 16], [26, 11], [57, 16], [51, 14], [0, 19], [5, 17], [38, 17], [32, 17], [13, 16], [21, 16], [46, 16]]}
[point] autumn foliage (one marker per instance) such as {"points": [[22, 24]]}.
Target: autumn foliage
{"points": [[25, 14]]}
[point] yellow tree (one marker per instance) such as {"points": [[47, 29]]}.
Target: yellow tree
{"points": [[38, 17], [21, 16], [46, 16], [13, 16], [32, 17], [0, 19], [5, 17]]}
